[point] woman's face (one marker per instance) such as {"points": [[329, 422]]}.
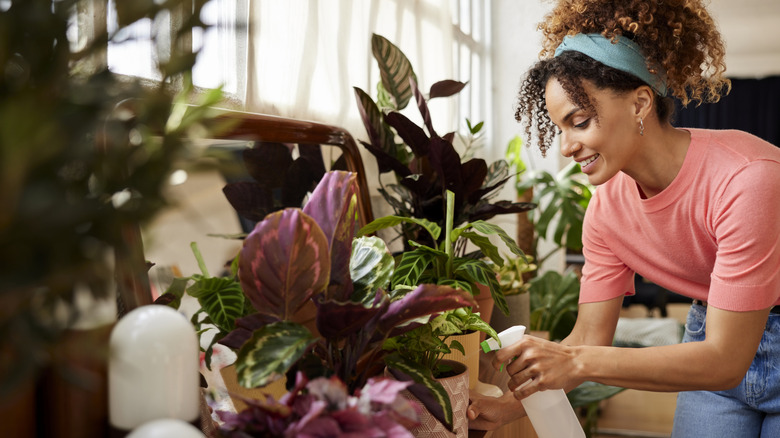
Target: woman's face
{"points": [[602, 150]]}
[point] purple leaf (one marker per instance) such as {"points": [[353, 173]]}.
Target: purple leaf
{"points": [[283, 263], [445, 88], [427, 299], [244, 328], [333, 206]]}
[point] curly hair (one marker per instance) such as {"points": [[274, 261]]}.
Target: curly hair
{"points": [[678, 38]]}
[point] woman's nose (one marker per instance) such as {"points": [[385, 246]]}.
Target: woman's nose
{"points": [[568, 146]]}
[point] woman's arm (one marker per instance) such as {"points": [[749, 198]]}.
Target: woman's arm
{"points": [[719, 362]]}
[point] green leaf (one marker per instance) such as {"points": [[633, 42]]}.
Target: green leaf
{"points": [[175, 292], [391, 221], [221, 298], [480, 272], [492, 229], [485, 245], [394, 69], [410, 268], [270, 352], [371, 267]]}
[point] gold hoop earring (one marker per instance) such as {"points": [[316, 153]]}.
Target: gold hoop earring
{"points": [[641, 127]]}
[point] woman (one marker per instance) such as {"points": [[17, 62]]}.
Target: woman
{"points": [[695, 211]]}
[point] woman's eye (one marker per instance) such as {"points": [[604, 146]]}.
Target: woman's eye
{"points": [[583, 124]]}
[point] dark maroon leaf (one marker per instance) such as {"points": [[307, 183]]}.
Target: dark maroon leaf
{"points": [[250, 199], [423, 108], [244, 328], [299, 180], [385, 162], [339, 319], [445, 88], [379, 134], [412, 135], [267, 163], [487, 211], [474, 172], [426, 299]]}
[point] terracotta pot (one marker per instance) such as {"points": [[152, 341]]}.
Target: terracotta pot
{"points": [[457, 388], [485, 305]]}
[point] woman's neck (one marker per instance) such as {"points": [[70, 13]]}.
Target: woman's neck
{"points": [[660, 158]]}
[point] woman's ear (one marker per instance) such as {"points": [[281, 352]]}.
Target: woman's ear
{"points": [[644, 97]]}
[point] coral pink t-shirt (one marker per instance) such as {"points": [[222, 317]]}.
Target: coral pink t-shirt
{"points": [[712, 235]]}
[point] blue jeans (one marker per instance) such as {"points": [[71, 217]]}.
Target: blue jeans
{"points": [[752, 409]]}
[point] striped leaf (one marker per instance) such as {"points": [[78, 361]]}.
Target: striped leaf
{"points": [[430, 392], [492, 229], [485, 245], [283, 263], [410, 268], [221, 298], [394, 69], [370, 267], [391, 221], [270, 352], [379, 133], [481, 273]]}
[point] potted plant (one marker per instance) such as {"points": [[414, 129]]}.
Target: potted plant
{"points": [[296, 255], [84, 157], [425, 164]]}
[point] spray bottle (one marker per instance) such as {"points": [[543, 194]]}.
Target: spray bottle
{"points": [[550, 412]]}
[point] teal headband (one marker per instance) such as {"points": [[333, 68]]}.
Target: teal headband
{"points": [[624, 55]]}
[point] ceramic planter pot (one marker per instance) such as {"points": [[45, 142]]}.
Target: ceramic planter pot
{"points": [[457, 387]]}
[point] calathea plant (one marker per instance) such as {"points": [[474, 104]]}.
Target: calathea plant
{"points": [[425, 164], [296, 255]]}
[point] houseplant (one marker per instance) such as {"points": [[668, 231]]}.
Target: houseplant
{"points": [[425, 164], [293, 256], [84, 156]]}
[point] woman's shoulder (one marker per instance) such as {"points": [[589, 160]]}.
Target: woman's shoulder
{"points": [[734, 143]]}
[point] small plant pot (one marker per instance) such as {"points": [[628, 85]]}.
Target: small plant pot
{"points": [[470, 342], [457, 388]]}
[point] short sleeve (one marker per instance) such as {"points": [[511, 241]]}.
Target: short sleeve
{"points": [[746, 275], [604, 275]]}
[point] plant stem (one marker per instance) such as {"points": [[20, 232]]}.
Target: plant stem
{"points": [[448, 231], [199, 258]]}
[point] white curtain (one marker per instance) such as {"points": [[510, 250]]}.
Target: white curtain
{"points": [[305, 56]]}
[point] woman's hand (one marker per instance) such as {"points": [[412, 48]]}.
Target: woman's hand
{"points": [[548, 365], [490, 413]]}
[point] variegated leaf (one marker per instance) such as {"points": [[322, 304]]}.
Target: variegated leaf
{"points": [[391, 221], [394, 68], [410, 268], [490, 229], [371, 267], [221, 298], [481, 273], [379, 133], [283, 263], [485, 245], [270, 352], [333, 206], [430, 392]]}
